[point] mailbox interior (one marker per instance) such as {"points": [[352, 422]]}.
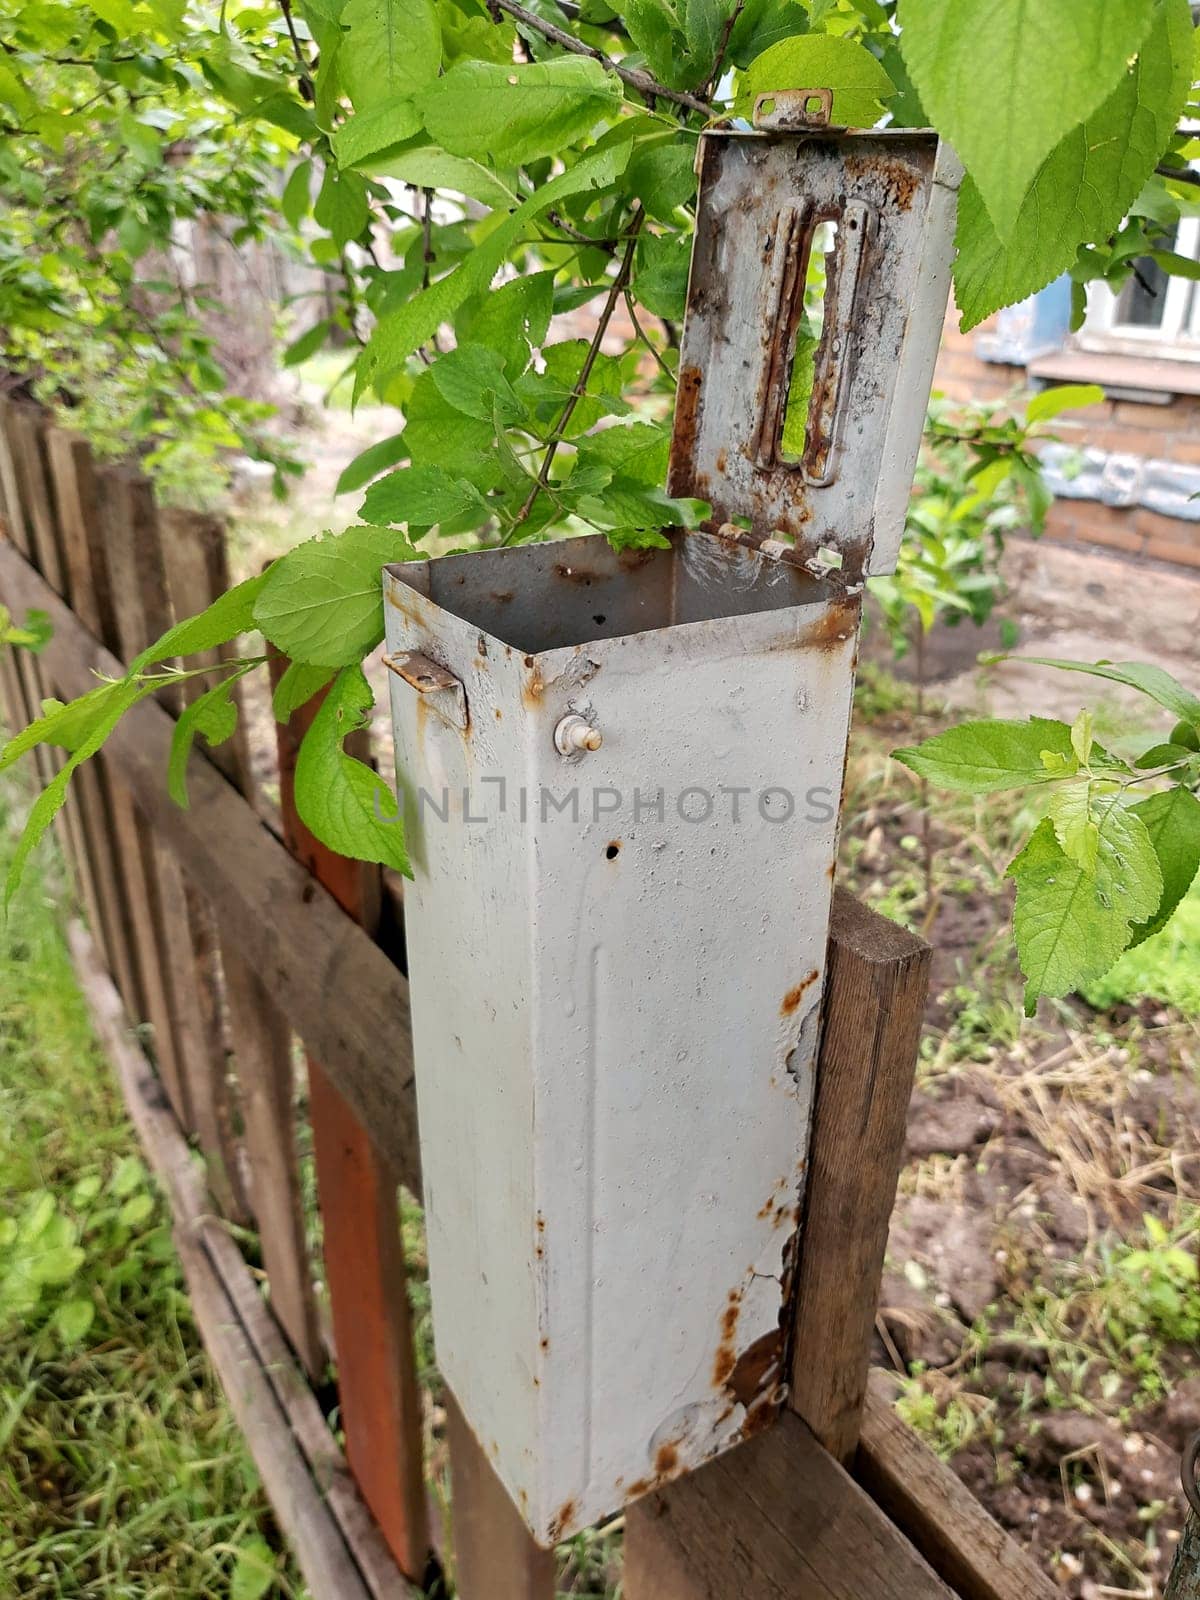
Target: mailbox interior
{"points": [[577, 591]]}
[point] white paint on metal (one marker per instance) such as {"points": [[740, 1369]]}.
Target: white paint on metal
{"points": [[614, 1006], [762, 197]]}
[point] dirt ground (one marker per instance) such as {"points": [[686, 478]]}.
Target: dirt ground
{"points": [[1019, 1314], [1023, 1337]]}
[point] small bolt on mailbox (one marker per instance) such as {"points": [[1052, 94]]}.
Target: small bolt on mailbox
{"points": [[621, 778]]}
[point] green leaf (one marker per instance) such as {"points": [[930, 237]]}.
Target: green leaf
{"points": [[253, 1570], [374, 459], [296, 200], [428, 166], [308, 343], [230, 614], [1068, 924], [1162, 755], [662, 175], [514, 114], [437, 435], [59, 1264], [513, 321], [1085, 186], [1005, 80], [1082, 736], [391, 48], [136, 1210], [323, 601], [65, 726], [820, 61], [296, 688], [49, 802], [342, 801], [33, 634], [130, 1175], [213, 714], [421, 497], [1172, 821], [764, 23], [985, 757], [1126, 857], [1064, 397], [369, 135], [1077, 832], [1150, 680], [661, 277], [703, 28], [342, 205], [471, 379], [637, 452], [400, 333], [1175, 265], [632, 508], [73, 1320]]}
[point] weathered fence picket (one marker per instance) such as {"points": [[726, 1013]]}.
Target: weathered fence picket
{"points": [[226, 940]]}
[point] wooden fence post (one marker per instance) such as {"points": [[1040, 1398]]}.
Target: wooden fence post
{"points": [[70, 464], [364, 1253], [495, 1557], [30, 521], [142, 611], [877, 979], [197, 571]]}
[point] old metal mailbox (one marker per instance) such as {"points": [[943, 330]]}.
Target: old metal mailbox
{"points": [[621, 780]]}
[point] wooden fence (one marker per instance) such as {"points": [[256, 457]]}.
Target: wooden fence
{"points": [[225, 932]]}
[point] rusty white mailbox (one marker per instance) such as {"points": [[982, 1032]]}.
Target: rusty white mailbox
{"points": [[621, 778]]}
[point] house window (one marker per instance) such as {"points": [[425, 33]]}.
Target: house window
{"points": [[1154, 313]]}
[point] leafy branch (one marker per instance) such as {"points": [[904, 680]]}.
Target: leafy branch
{"points": [[1102, 871], [645, 84]]}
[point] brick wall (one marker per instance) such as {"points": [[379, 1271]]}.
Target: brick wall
{"points": [[1168, 432]]}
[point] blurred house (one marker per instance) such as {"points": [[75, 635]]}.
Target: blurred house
{"points": [[1127, 473]]}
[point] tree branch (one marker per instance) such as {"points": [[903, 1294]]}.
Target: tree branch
{"points": [[633, 76], [308, 89], [1179, 175], [616, 290], [714, 76]]}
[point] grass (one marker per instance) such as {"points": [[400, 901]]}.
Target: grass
{"points": [[122, 1473], [1166, 967]]}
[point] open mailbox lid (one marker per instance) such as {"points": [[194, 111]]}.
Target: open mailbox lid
{"points": [[839, 477]]}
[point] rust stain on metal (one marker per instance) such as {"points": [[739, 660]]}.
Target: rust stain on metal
{"points": [[837, 623], [901, 183], [794, 996], [687, 413], [561, 1519], [666, 1460], [726, 1357], [533, 686], [756, 1370], [571, 574]]}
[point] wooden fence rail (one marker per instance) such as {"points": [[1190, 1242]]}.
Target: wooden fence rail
{"points": [[226, 937]]}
